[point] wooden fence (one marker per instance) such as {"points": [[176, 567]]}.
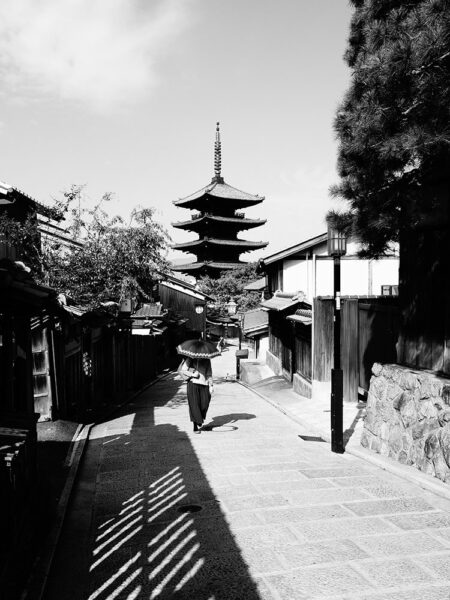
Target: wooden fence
{"points": [[369, 333]]}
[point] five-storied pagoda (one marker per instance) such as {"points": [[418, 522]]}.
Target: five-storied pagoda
{"points": [[217, 223]]}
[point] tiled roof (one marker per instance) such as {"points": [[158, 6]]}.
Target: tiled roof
{"points": [[292, 250], [10, 194], [154, 309], [220, 190], [301, 315], [255, 319], [246, 223], [218, 242], [196, 266], [280, 301]]}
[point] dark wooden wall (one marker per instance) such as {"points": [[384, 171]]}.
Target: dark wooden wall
{"points": [[183, 304], [303, 350], [369, 333], [323, 339]]}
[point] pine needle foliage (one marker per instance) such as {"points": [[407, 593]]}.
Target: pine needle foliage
{"points": [[393, 125]]}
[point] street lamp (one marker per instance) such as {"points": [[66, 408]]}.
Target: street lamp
{"points": [[337, 247], [231, 307], [200, 309]]}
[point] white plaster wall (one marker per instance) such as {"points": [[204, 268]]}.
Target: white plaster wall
{"points": [[354, 277], [295, 276], [384, 272], [324, 278], [263, 347]]}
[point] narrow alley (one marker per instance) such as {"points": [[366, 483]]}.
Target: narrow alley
{"points": [[245, 510]]}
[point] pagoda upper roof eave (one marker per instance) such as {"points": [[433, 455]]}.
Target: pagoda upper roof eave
{"points": [[198, 266], [221, 191], [216, 242], [247, 223]]}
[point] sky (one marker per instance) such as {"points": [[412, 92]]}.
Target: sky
{"points": [[123, 97]]}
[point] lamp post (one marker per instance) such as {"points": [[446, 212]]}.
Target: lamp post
{"points": [[337, 247], [200, 309]]}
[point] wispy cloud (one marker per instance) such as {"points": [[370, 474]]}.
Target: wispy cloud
{"points": [[103, 53]]}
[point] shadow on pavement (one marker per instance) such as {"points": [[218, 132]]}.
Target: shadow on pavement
{"points": [[157, 531], [223, 420]]}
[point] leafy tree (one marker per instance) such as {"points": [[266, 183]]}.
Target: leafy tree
{"points": [[116, 259], [393, 125], [111, 259], [230, 285]]}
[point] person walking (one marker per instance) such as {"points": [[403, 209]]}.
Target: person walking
{"points": [[196, 368], [200, 386]]}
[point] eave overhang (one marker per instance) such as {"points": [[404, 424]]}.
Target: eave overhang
{"points": [[219, 190], [205, 265], [236, 222], [204, 242]]}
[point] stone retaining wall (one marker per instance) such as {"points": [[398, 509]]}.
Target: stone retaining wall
{"points": [[408, 418]]}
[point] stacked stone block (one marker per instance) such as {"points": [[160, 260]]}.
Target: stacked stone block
{"points": [[408, 418]]}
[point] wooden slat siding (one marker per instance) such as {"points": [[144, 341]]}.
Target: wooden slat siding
{"points": [[323, 339], [349, 349], [183, 304], [275, 346], [378, 331], [303, 351]]}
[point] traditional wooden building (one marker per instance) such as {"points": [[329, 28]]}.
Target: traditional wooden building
{"points": [[217, 222]]}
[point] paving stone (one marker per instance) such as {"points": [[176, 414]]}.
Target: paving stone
{"points": [[236, 491], [314, 582], [333, 472], [421, 521], [302, 555], [410, 543], [342, 528], [444, 534], [328, 496], [296, 484], [397, 505], [356, 481], [252, 502], [275, 536], [439, 563], [244, 544], [434, 592], [238, 520], [262, 561], [288, 466], [381, 490], [392, 573], [273, 477], [309, 513]]}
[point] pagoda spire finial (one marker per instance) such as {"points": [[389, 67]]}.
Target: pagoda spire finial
{"points": [[217, 156]]}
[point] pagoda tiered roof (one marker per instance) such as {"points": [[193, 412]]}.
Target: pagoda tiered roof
{"points": [[245, 245], [217, 223], [197, 222], [206, 265], [219, 190]]}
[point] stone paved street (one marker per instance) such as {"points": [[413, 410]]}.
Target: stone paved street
{"points": [[280, 518]]}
